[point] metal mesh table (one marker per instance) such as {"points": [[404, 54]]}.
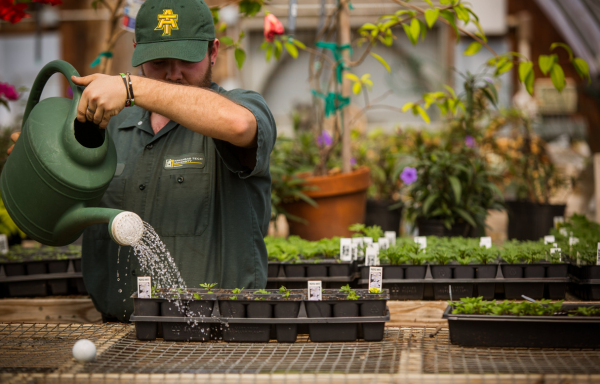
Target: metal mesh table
{"points": [[42, 353]]}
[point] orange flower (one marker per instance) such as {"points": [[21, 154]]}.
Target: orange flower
{"points": [[272, 27]]}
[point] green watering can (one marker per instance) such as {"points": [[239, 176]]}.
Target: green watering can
{"points": [[60, 168]]}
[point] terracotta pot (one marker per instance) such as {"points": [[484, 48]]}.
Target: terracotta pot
{"points": [[341, 202]]}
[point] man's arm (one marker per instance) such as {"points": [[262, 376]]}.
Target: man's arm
{"points": [[198, 109]]}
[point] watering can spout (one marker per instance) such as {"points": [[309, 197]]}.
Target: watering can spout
{"points": [[125, 228]]}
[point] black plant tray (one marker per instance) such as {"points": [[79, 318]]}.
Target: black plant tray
{"points": [[415, 289], [524, 331], [321, 329], [17, 282], [333, 274], [588, 289]]}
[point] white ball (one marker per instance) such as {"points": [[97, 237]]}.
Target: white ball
{"points": [[84, 351]]}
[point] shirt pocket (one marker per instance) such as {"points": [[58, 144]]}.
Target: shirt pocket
{"points": [[182, 203]]}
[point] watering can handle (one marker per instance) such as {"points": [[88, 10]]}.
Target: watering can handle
{"points": [[40, 81]]}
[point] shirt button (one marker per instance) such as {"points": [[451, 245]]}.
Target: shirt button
{"points": [[139, 123], [142, 186], [149, 146], [180, 179]]}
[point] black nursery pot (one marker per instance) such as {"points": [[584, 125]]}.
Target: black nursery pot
{"points": [[485, 271], [202, 308], [441, 271], [345, 309], [433, 227], [371, 308], [317, 270], [534, 271], [415, 272], [364, 272], [530, 221], [340, 270], [146, 307], [58, 266], [557, 270], [259, 310], [36, 268], [14, 269], [392, 272], [511, 271], [232, 308], [464, 272], [273, 270], [286, 333], [378, 213], [292, 270], [318, 309]]}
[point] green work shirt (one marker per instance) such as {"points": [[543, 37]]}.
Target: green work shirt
{"points": [[211, 212]]}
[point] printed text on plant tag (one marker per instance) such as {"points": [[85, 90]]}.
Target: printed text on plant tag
{"points": [[485, 242], [314, 291], [144, 285], [375, 276], [346, 249]]}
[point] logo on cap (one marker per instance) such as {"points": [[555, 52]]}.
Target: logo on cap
{"points": [[167, 21]]}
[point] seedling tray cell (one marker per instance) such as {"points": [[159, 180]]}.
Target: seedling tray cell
{"points": [[524, 331]]}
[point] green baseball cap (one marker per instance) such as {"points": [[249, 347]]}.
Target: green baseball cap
{"points": [[172, 29]]}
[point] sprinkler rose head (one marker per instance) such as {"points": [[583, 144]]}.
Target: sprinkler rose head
{"points": [[126, 228], [84, 351]]}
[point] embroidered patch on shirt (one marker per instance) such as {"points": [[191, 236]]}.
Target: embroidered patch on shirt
{"points": [[190, 160]]}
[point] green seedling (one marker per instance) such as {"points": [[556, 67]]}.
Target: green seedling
{"points": [[465, 260], [585, 311], [197, 296], [351, 293], [511, 255], [441, 257], [208, 286], [261, 291], [484, 255], [284, 291], [154, 292]]}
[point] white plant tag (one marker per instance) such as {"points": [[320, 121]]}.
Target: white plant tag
{"points": [[358, 241], [485, 242], [552, 250], [573, 240], [391, 235], [372, 256], [346, 249], [422, 241], [314, 291], [367, 240], [375, 276], [558, 220], [598, 255], [384, 243], [549, 239], [144, 284], [563, 231], [354, 251], [3, 244]]}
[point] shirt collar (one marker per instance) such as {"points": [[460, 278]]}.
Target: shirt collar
{"points": [[135, 116]]}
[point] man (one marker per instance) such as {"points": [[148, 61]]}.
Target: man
{"points": [[193, 160]]}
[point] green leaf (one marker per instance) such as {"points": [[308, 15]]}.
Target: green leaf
{"points": [[278, 49], [368, 27], [450, 90], [226, 40], [269, 52], [430, 3], [489, 95], [449, 16], [215, 15], [545, 62], [431, 16], [292, 50], [566, 48], [430, 200], [382, 61], [415, 30], [472, 49], [582, 68], [455, 187], [462, 14], [240, 57], [529, 82], [558, 77], [465, 215], [524, 68], [418, 109], [298, 43], [503, 67]]}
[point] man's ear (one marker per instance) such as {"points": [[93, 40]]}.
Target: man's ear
{"points": [[215, 51]]}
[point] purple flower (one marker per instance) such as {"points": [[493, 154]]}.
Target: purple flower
{"points": [[489, 80], [353, 161], [408, 175], [325, 139], [470, 141]]}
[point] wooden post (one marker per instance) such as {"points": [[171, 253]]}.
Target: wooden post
{"points": [[597, 184], [344, 38]]}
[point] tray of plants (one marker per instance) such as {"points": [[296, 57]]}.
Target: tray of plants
{"points": [[41, 271], [256, 316], [294, 261], [474, 322], [519, 268]]}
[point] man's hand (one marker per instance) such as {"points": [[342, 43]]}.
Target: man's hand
{"points": [[14, 137], [104, 97]]}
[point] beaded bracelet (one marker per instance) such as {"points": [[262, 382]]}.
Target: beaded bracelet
{"points": [[129, 100]]}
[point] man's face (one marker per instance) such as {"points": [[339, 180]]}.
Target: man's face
{"points": [[183, 72]]}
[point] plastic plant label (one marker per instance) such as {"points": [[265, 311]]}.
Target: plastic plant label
{"points": [[346, 249], [485, 242], [552, 250], [598, 255], [358, 241], [559, 221], [384, 243], [563, 231], [315, 291], [391, 235], [367, 240], [3, 244], [372, 254], [354, 251], [144, 284], [375, 276], [549, 239], [422, 241], [573, 240]]}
